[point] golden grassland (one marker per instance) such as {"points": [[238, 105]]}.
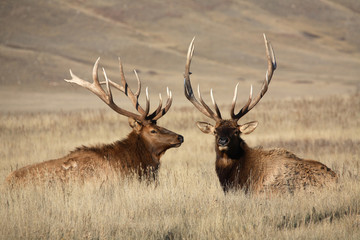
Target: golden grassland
{"points": [[189, 202]]}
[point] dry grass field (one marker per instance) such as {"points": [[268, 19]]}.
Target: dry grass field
{"points": [[189, 202]]}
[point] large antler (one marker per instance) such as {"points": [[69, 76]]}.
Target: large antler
{"points": [[205, 109], [269, 73], [202, 106], [106, 96]]}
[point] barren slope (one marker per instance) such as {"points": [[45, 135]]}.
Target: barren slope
{"points": [[317, 44]]}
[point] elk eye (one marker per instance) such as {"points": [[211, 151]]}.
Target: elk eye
{"points": [[153, 131]]}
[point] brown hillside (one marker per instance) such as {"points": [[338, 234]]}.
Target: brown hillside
{"points": [[317, 45]]}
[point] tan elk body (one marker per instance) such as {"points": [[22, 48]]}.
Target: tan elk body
{"points": [[239, 166], [138, 154]]}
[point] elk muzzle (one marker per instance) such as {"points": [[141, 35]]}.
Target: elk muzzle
{"points": [[177, 141], [223, 143], [180, 139]]}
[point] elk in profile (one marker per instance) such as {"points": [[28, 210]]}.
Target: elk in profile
{"points": [[239, 166], [139, 153]]}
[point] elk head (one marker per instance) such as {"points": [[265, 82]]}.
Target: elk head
{"points": [[227, 132], [157, 139]]}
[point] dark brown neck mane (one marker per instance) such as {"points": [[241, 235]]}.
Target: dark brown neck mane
{"points": [[230, 164]]}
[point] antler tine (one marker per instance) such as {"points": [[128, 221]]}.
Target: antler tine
{"points": [[167, 105], [147, 107], [188, 89], [93, 87], [269, 73], [214, 103], [114, 84], [95, 74], [96, 88], [133, 97], [122, 75], [158, 109], [137, 93], [244, 108], [189, 56], [202, 107], [113, 106], [271, 59], [207, 108], [109, 94]]}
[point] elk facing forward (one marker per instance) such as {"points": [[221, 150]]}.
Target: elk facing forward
{"points": [[253, 170], [139, 153]]}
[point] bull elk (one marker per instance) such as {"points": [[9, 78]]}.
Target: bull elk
{"points": [[139, 153], [239, 166]]}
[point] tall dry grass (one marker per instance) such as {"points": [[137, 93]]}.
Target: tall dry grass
{"points": [[189, 202]]}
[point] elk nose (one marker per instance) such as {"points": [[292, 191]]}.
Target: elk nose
{"points": [[180, 138], [223, 141]]}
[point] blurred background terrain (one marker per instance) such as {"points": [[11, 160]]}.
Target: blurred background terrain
{"points": [[317, 45]]}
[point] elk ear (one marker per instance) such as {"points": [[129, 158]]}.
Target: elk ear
{"points": [[248, 127], [135, 124], [206, 127]]}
